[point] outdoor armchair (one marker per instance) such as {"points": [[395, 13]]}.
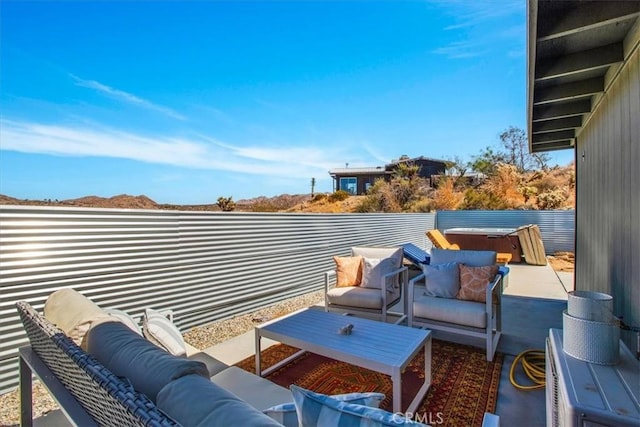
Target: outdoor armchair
{"points": [[380, 282]]}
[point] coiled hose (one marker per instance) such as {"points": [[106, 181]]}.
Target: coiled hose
{"points": [[533, 365]]}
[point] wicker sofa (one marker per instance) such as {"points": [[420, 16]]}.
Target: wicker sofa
{"points": [[89, 393]]}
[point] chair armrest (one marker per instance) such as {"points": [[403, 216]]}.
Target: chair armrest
{"points": [[327, 279], [389, 275], [494, 286], [410, 297]]}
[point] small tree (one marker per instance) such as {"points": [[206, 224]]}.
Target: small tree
{"points": [[226, 204]]}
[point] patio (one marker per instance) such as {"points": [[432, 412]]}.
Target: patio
{"points": [[532, 304]]}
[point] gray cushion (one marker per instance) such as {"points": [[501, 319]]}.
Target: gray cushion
{"points": [[145, 365], [442, 280], [371, 252], [355, 296], [470, 258], [256, 391], [466, 313], [213, 365], [194, 401]]}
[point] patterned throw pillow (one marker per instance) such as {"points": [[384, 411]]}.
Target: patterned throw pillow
{"points": [[315, 409], [286, 413], [348, 270], [474, 281], [162, 332], [373, 271]]}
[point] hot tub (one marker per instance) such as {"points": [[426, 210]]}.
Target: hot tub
{"points": [[491, 239]]}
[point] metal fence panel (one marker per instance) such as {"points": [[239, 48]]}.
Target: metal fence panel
{"points": [[203, 266], [557, 227]]}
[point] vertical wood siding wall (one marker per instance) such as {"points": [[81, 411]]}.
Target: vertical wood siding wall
{"points": [[204, 266], [608, 197]]}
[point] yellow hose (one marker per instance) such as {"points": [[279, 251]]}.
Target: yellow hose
{"points": [[533, 365]]}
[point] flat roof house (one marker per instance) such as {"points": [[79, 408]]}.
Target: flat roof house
{"points": [[358, 180], [584, 93]]}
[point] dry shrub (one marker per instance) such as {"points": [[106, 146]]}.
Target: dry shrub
{"points": [[504, 185], [446, 197]]}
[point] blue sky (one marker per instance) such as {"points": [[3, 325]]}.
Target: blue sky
{"points": [[188, 101]]}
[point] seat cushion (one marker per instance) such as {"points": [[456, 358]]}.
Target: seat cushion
{"points": [[145, 365], [194, 401], [355, 296], [471, 258], [450, 310], [256, 391], [442, 280], [213, 365]]}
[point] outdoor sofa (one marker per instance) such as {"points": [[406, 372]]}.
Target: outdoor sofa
{"points": [[119, 378]]}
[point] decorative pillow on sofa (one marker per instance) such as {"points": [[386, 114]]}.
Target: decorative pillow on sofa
{"points": [[125, 318], [160, 331], [474, 281], [373, 271], [348, 270], [286, 413], [442, 280], [73, 313], [315, 409]]}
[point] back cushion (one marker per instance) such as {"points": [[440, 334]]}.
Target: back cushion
{"points": [[145, 365], [366, 252], [73, 313], [466, 257]]}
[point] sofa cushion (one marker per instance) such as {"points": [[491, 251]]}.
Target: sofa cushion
{"points": [[145, 365], [470, 258], [474, 282], [395, 253], [213, 365], [442, 280], [73, 313], [450, 310], [348, 270], [194, 401], [256, 391], [286, 413], [162, 332], [373, 271], [355, 296], [315, 409]]}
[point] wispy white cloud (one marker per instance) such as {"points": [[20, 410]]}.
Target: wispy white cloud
{"points": [[478, 26], [196, 153], [126, 97]]}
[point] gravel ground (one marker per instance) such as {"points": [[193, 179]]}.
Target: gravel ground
{"points": [[199, 337]]}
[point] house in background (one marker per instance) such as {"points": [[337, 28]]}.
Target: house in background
{"points": [[584, 94], [358, 180]]}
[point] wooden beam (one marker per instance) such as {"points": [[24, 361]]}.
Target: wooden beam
{"points": [[557, 124], [567, 109], [579, 62], [589, 15], [552, 146], [553, 136], [567, 91]]}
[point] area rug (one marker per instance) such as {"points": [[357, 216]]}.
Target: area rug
{"points": [[463, 384]]}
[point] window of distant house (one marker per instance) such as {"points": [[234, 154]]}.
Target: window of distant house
{"points": [[349, 184]]}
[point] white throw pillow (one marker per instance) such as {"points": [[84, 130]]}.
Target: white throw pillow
{"points": [[373, 271], [442, 280], [125, 318], [160, 331]]}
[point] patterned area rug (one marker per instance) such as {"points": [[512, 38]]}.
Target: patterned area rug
{"points": [[463, 387]]}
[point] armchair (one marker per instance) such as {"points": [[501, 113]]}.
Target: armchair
{"points": [[443, 306], [379, 294]]}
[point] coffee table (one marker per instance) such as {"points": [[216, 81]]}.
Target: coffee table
{"points": [[374, 345]]}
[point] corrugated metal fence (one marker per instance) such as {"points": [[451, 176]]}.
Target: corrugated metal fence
{"points": [[557, 227], [204, 266]]}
